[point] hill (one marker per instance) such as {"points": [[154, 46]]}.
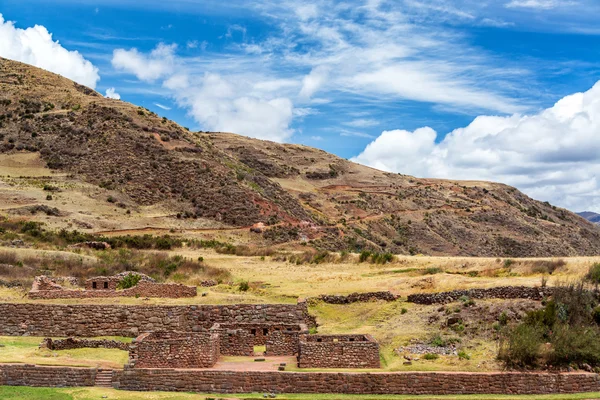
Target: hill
{"points": [[73, 159], [590, 216]]}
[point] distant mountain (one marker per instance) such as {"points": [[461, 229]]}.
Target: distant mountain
{"points": [[590, 216]]}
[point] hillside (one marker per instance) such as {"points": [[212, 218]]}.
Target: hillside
{"points": [[73, 159]]}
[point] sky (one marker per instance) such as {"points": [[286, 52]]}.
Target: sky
{"points": [[499, 90]]}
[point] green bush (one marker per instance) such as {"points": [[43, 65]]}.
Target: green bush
{"points": [[463, 355], [521, 346], [244, 286], [431, 356], [403, 311], [593, 275], [564, 332], [129, 281], [364, 255]]}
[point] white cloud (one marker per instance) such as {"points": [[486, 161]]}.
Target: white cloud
{"points": [[536, 4], [362, 123], [159, 63], [553, 155], [35, 46], [112, 94], [313, 81], [162, 106], [221, 104]]}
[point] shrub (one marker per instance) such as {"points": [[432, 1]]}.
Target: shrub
{"points": [[503, 318], [244, 286], [364, 256], [593, 275], [546, 266], [463, 355], [403, 311], [432, 271], [431, 356], [520, 347], [129, 281]]}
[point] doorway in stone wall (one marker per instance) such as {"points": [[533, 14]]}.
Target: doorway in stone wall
{"points": [[260, 350]]}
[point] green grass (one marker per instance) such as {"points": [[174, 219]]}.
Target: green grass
{"points": [[24, 349], [27, 393]]}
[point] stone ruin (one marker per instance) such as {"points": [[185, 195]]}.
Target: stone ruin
{"points": [[202, 349], [106, 286]]}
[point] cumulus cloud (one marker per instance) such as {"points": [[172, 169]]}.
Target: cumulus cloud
{"points": [[35, 46], [553, 155], [112, 94], [230, 105], [159, 63]]}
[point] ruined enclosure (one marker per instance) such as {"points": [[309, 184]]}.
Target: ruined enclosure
{"points": [[108, 286], [175, 350], [338, 351], [279, 339]]}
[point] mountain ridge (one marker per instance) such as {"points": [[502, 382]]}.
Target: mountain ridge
{"points": [[214, 180]]}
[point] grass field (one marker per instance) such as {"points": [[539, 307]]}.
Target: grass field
{"points": [[25, 350], [27, 393]]}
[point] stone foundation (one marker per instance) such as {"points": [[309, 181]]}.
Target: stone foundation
{"points": [[338, 351]]}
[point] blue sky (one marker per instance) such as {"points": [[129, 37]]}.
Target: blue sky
{"points": [[453, 89]]}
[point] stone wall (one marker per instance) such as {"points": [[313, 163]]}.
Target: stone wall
{"points": [[338, 351], [142, 289], [17, 319], [503, 292], [32, 375], [210, 381], [236, 342], [283, 343], [357, 297], [102, 283], [175, 350], [413, 383], [72, 343]]}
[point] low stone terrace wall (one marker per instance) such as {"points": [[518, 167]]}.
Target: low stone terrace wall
{"points": [[210, 381], [338, 351], [56, 320], [43, 376], [72, 343], [142, 289], [357, 297], [503, 292]]}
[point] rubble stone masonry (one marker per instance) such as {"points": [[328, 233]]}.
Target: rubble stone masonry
{"points": [[175, 350], [142, 289], [212, 381], [338, 351], [57, 320], [502, 292]]}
